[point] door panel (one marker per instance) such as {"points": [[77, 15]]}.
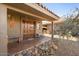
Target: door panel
{"points": [[28, 29]]}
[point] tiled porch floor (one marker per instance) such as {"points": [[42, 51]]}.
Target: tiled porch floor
{"points": [[25, 44]]}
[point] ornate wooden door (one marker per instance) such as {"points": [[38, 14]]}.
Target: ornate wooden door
{"points": [[28, 29]]}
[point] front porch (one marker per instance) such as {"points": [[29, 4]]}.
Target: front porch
{"points": [[31, 43], [24, 33], [21, 28]]}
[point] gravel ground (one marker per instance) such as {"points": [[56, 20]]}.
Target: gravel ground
{"points": [[67, 47]]}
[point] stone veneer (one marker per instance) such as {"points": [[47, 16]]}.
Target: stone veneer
{"points": [[42, 49]]}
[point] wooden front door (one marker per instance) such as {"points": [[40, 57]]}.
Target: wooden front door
{"points": [[28, 29]]}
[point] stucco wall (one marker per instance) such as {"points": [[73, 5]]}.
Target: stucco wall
{"points": [[3, 30], [14, 25]]}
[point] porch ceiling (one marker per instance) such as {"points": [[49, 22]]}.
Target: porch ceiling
{"points": [[27, 17], [35, 11]]}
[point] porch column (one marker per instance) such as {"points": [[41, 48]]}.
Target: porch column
{"points": [[52, 31], [40, 28], [3, 30], [34, 29], [21, 30]]}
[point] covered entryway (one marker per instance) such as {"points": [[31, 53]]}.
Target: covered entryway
{"points": [[23, 32], [21, 27], [20, 22]]}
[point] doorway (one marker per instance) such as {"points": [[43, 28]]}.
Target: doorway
{"points": [[28, 29]]}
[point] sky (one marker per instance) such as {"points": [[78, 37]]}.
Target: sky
{"points": [[61, 9]]}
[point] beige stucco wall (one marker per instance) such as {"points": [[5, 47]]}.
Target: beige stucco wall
{"points": [[14, 25], [3, 30]]}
